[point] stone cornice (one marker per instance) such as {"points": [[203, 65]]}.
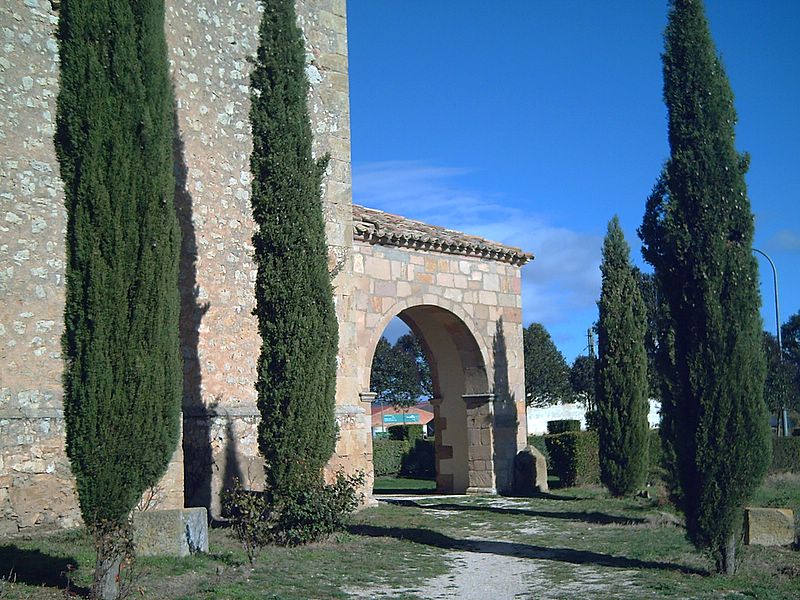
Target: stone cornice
{"points": [[378, 227]]}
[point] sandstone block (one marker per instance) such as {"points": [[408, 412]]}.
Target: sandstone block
{"points": [[530, 472], [769, 526], [177, 532]]}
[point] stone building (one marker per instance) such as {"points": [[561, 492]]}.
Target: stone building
{"points": [[459, 294]]}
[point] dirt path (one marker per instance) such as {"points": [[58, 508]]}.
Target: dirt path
{"points": [[483, 572]]}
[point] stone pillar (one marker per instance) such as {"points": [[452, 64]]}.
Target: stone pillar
{"points": [[444, 480], [480, 439]]}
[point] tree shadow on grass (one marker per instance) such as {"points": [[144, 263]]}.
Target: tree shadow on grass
{"points": [[34, 568], [594, 517], [516, 550]]}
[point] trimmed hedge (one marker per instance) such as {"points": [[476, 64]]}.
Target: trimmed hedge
{"points": [[405, 432], [574, 457], [562, 426], [785, 454], [403, 457]]}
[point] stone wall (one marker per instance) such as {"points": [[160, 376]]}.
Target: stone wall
{"points": [[36, 486], [209, 44], [483, 297]]}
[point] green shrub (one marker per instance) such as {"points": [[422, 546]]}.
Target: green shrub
{"points": [[538, 442], [403, 457], [303, 514], [387, 456], [419, 460], [574, 457], [563, 425], [405, 432], [785, 454]]}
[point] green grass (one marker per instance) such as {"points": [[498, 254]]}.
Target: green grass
{"points": [[580, 543], [397, 485]]}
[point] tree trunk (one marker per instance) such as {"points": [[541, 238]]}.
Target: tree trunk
{"points": [[105, 583], [727, 561]]}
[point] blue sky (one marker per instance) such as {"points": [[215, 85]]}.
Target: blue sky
{"points": [[532, 123]]}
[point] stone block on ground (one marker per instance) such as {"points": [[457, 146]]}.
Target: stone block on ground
{"points": [[530, 472], [177, 532], [769, 526]]}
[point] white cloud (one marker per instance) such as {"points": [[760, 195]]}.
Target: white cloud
{"points": [[563, 279], [786, 240]]}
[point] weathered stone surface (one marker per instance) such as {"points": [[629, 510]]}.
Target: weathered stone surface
{"points": [[177, 532], [769, 526], [530, 472]]}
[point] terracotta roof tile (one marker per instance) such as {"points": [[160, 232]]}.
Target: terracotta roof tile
{"points": [[378, 227]]}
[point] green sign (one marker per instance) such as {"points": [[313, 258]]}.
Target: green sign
{"points": [[409, 418]]}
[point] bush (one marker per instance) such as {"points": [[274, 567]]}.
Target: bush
{"points": [[538, 442], [405, 432], [574, 457], [387, 456], [303, 514], [409, 458], [785, 454], [563, 425], [419, 460]]}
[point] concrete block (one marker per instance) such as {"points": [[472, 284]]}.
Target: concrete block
{"points": [[177, 532], [769, 526]]}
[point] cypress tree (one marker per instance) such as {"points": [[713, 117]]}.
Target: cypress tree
{"points": [[294, 300], [122, 382], [697, 233], [622, 386]]}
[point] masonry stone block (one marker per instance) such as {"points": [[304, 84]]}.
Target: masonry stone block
{"points": [[769, 526], [177, 532]]}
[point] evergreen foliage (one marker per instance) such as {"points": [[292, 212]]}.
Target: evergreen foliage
{"points": [[622, 385], [546, 371], [123, 376], [697, 233], [294, 299]]}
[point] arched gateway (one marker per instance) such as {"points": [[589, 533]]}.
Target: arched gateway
{"points": [[460, 294]]}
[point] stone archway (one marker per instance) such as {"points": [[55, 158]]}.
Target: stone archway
{"points": [[462, 433], [460, 295]]}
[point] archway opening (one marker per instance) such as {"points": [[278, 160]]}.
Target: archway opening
{"points": [[459, 385]]}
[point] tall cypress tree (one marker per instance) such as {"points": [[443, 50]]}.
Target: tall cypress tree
{"points": [[294, 300], [622, 386], [697, 233], [122, 383]]}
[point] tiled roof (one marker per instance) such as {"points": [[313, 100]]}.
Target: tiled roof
{"points": [[378, 227]]}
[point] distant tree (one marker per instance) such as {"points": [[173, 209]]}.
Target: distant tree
{"points": [[294, 301], [790, 337], [400, 374], [781, 385], [546, 371], [582, 380], [123, 372], [622, 386], [697, 233], [408, 345]]}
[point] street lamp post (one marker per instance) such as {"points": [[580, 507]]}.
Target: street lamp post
{"points": [[784, 415]]}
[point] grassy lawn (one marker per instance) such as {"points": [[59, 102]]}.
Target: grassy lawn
{"points": [[403, 485], [576, 543]]}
